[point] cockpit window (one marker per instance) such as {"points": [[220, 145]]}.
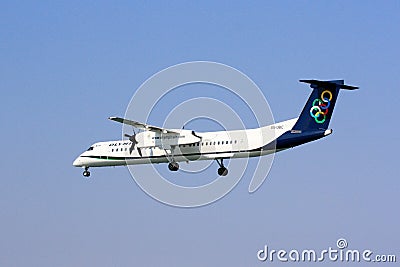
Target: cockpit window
{"points": [[90, 148]]}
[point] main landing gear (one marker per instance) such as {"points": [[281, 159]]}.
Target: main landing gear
{"points": [[86, 172], [173, 166], [222, 170]]}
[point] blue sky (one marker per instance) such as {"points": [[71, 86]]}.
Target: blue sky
{"points": [[68, 65]]}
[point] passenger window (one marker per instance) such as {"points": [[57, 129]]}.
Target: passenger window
{"points": [[116, 150], [112, 150], [218, 142], [214, 143]]}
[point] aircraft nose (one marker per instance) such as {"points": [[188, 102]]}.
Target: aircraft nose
{"points": [[77, 162]]}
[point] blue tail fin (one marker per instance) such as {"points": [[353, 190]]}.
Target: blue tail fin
{"points": [[317, 112]]}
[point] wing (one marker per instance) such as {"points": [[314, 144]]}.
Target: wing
{"points": [[142, 126]]}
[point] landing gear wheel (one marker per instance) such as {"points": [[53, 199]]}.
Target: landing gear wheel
{"points": [[173, 166], [86, 172], [222, 171]]}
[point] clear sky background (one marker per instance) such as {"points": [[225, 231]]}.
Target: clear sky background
{"points": [[65, 66]]}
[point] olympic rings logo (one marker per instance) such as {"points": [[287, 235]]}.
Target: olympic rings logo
{"points": [[320, 107]]}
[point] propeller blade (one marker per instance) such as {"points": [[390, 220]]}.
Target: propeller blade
{"points": [[132, 138], [131, 148]]}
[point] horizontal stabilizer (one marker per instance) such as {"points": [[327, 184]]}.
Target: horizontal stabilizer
{"points": [[338, 83]]}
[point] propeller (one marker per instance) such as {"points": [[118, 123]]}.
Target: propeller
{"points": [[132, 138]]}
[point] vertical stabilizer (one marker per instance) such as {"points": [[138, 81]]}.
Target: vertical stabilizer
{"points": [[318, 110]]}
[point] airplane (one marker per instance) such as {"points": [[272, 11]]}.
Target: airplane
{"points": [[159, 145]]}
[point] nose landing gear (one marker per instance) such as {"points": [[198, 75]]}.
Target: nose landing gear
{"points": [[86, 172]]}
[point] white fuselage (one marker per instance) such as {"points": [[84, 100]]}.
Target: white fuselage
{"points": [[211, 145]]}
